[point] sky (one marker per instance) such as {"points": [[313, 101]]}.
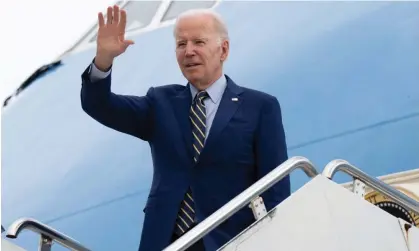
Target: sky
{"points": [[37, 32]]}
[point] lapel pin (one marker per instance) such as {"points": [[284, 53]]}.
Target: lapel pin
{"points": [[234, 99]]}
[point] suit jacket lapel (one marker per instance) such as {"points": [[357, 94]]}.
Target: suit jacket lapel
{"points": [[181, 107], [228, 106]]}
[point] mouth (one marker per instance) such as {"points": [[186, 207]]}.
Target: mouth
{"points": [[192, 65]]}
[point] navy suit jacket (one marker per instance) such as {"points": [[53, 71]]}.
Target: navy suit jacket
{"points": [[246, 141]]}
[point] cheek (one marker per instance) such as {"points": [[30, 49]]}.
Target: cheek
{"points": [[214, 56], [206, 57], [179, 57]]}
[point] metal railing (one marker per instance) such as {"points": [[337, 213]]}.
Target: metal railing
{"points": [[242, 200], [342, 165], [48, 235]]}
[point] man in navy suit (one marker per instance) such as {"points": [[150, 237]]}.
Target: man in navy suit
{"points": [[210, 139]]}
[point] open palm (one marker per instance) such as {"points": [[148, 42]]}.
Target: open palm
{"points": [[111, 35]]}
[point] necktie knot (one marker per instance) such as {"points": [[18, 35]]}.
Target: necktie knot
{"points": [[201, 96]]}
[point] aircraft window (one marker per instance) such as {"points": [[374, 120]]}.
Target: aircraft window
{"points": [[139, 14], [177, 7]]}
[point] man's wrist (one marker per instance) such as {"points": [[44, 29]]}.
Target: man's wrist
{"points": [[103, 63]]}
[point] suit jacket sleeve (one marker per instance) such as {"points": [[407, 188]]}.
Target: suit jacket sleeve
{"points": [[124, 113], [271, 151]]}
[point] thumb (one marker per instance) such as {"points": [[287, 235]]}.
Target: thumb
{"points": [[127, 43]]}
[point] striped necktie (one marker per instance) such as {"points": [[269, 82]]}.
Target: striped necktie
{"points": [[186, 215]]}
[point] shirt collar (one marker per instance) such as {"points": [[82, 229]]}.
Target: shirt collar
{"points": [[215, 91]]}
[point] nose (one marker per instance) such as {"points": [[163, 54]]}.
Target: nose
{"points": [[189, 49]]}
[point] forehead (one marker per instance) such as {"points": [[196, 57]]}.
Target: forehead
{"points": [[194, 26]]}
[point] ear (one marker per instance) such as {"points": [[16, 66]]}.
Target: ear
{"points": [[225, 49]]}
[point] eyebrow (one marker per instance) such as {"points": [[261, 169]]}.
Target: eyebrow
{"points": [[199, 38]]}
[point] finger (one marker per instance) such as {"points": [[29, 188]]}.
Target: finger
{"points": [[109, 16], [115, 15], [101, 20], [123, 22]]}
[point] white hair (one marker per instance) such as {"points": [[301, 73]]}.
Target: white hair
{"points": [[220, 26]]}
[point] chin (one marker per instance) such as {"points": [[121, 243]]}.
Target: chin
{"points": [[194, 78]]}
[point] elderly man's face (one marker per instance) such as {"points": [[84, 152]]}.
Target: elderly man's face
{"points": [[198, 51]]}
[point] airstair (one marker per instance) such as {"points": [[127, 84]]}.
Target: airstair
{"points": [[321, 216]]}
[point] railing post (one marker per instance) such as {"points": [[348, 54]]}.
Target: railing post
{"points": [[45, 243], [358, 187], [258, 208]]}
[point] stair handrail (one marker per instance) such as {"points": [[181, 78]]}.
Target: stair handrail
{"points": [[337, 165], [45, 231], [242, 200]]}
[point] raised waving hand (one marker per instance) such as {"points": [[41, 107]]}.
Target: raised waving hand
{"points": [[111, 37]]}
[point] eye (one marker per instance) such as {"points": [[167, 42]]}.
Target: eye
{"points": [[181, 44]]}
